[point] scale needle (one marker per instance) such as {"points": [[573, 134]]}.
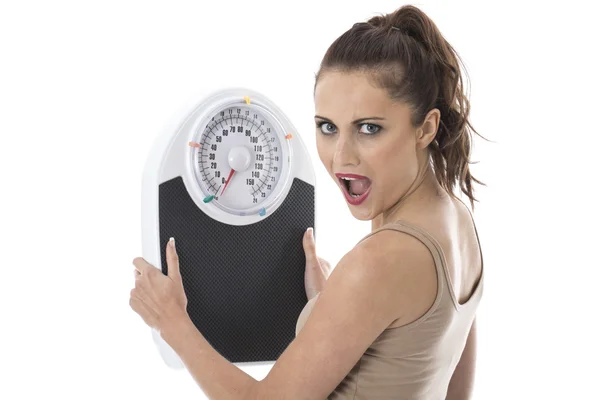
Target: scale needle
{"points": [[228, 179]]}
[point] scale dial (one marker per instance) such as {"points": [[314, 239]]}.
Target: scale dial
{"points": [[241, 158]]}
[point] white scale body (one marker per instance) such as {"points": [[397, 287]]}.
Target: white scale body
{"points": [[231, 180]]}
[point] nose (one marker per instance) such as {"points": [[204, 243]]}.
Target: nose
{"points": [[345, 150]]}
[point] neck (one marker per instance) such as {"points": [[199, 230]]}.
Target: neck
{"points": [[423, 187]]}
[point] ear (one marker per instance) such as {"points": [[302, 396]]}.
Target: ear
{"points": [[426, 133]]}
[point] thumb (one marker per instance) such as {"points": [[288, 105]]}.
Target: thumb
{"points": [[172, 261], [309, 246]]}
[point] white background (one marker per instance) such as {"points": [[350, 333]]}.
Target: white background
{"points": [[86, 86]]}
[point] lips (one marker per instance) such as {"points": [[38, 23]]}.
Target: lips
{"points": [[345, 179]]}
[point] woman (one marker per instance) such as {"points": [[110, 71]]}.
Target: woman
{"points": [[396, 317]]}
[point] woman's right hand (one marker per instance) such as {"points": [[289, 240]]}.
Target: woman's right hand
{"points": [[317, 270]]}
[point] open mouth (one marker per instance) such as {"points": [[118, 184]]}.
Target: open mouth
{"points": [[355, 185]]}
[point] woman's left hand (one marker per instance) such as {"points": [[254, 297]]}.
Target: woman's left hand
{"points": [[158, 298]]}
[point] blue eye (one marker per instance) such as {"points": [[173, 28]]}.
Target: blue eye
{"points": [[327, 128], [371, 129], [329, 125]]}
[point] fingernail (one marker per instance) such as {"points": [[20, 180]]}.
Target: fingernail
{"points": [[172, 242], [310, 231]]}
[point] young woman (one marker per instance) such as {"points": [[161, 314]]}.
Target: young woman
{"points": [[396, 318]]}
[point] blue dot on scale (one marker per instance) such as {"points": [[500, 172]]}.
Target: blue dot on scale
{"points": [[262, 212]]}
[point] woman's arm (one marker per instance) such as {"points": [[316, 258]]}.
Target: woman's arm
{"points": [[461, 383]]}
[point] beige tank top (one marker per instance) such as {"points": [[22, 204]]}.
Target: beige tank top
{"points": [[414, 361]]}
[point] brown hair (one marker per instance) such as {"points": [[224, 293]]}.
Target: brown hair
{"points": [[406, 54]]}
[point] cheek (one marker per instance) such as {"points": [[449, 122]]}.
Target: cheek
{"points": [[394, 162]]}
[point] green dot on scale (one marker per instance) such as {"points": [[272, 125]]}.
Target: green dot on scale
{"points": [[208, 199]]}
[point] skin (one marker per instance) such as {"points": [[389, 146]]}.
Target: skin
{"points": [[394, 158], [386, 280], [393, 154]]}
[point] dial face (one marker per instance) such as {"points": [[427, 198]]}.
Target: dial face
{"points": [[239, 161]]}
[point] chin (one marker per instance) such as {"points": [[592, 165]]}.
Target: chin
{"points": [[361, 215]]}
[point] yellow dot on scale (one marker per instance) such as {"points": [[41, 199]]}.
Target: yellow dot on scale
{"points": [[247, 99], [194, 144]]}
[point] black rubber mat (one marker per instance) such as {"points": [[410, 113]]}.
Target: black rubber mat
{"points": [[244, 284]]}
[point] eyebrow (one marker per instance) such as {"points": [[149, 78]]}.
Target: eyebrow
{"points": [[355, 121]]}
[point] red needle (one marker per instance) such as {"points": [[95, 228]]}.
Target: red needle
{"points": [[228, 179]]}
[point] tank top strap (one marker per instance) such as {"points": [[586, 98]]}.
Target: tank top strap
{"points": [[476, 235], [478, 292]]}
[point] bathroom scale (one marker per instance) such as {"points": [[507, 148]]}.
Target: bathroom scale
{"points": [[231, 180]]}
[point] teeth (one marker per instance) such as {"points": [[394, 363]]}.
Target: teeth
{"points": [[348, 186]]}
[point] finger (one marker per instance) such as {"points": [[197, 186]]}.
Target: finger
{"points": [[172, 261], [325, 267], [146, 292], [142, 265], [136, 273], [138, 305], [309, 246], [324, 263]]}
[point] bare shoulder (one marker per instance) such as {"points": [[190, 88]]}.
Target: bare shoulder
{"points": [[403, 268], [360, 300]]}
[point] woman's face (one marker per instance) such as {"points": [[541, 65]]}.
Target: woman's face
{"points": [[361, 131]]}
